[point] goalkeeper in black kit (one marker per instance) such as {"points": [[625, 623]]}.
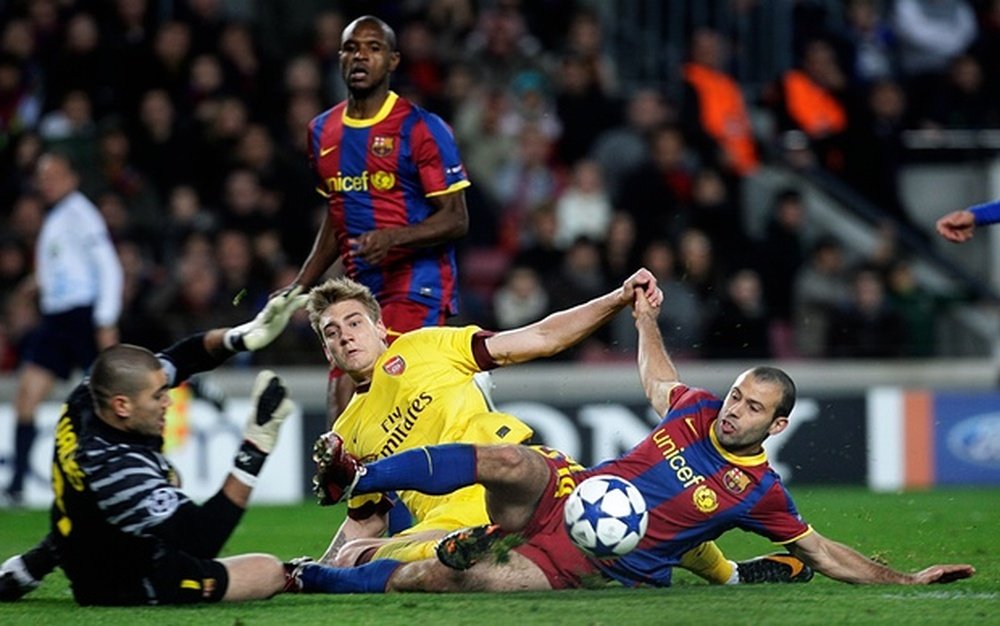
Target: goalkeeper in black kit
{"points": [[122, 529]]}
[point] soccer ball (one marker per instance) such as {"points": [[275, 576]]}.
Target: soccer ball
{"points": [[606, 516]]}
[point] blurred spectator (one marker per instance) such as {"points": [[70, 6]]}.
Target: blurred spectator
{"points": [[207, 19], [26, 217], [874, 149], [204, 88], [117, 172], [540, 250], [932, 33], [485, 148], [162, 143], [523, 184], [244, 205], [621, 254], [501, 46], [170, 66], [716, 212], [782, 251], [192, 297], [451, 21], [580, 276], [624, 148], [811, 100], [681, 318], [964, 100], [658, 192], [18, 165], [142, 277], [20, 108], [820, 287], [115, 214], [872, 42], [866, 326], [531, 105], [247, 71], [740, 328], [584, 208], [521, 298], [185, 215], [129, 35], [919, 308], [240, 270], [713, 112], [327, 26], [585, 40], [699, 269], [224, 123], [81, 63], [420, 76], [582, 107]]}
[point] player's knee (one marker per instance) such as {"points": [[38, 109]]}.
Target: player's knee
{"points": [[354, 553]]}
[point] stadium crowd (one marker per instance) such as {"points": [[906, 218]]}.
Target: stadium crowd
{"points": [[188, 120]]}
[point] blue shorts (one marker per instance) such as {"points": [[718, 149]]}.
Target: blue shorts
{"points": [[63, 341]]}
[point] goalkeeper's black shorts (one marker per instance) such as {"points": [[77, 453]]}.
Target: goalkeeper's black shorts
{"points": [[176, 578]]}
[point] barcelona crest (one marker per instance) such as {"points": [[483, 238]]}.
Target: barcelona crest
{"points": [[736, 481], [383, 145]]}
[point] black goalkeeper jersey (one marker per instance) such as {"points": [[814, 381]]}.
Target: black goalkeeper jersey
{"points": [[118, 511], [112, 489]]}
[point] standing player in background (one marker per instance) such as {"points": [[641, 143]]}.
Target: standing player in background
{"points": [[394, 182], [702, 471], [959, 226], [79, 280]]}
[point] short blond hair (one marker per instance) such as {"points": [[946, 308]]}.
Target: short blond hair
{"points": [[337, 290]]}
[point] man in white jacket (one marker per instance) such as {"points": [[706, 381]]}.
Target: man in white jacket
{"points": [[79, 281]]}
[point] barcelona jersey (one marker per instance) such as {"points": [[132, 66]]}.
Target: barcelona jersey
{"points": [[422, 393], [695, 491], [381, 173]]}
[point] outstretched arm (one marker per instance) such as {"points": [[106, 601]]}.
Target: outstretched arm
{"points": [[564, 329], [845, 564], [959, 226], [656, 371]]}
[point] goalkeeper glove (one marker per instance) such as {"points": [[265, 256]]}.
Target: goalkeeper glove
{"points": [[271, 406], [272, 319]]}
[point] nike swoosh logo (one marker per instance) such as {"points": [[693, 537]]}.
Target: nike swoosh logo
{"points": [[325, 151]]}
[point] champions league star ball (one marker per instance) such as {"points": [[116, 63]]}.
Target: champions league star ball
{"points": [[606, 516]]}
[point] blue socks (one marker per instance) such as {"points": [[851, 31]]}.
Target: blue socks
{"points": [[434, 470], [368, 578]]}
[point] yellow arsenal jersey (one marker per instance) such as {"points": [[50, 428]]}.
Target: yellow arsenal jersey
{"points": [[422, 393]]}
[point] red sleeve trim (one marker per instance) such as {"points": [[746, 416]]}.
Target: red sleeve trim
{"points": [[480, 353]]}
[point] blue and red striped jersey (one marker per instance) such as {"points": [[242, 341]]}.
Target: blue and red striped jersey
{"points": [[380, 173], [695, 490]]}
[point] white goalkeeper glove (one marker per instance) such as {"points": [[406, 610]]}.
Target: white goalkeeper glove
{"points": [[270, 407], [272, 319]]}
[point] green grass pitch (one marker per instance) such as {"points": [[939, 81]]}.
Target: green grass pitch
{"points": [[909, 530]]}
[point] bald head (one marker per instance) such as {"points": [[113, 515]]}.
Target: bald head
{"points": [[121, 370]]}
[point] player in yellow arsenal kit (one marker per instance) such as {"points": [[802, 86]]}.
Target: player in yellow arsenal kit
{"points": [[420, 391], [425, 395]]}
